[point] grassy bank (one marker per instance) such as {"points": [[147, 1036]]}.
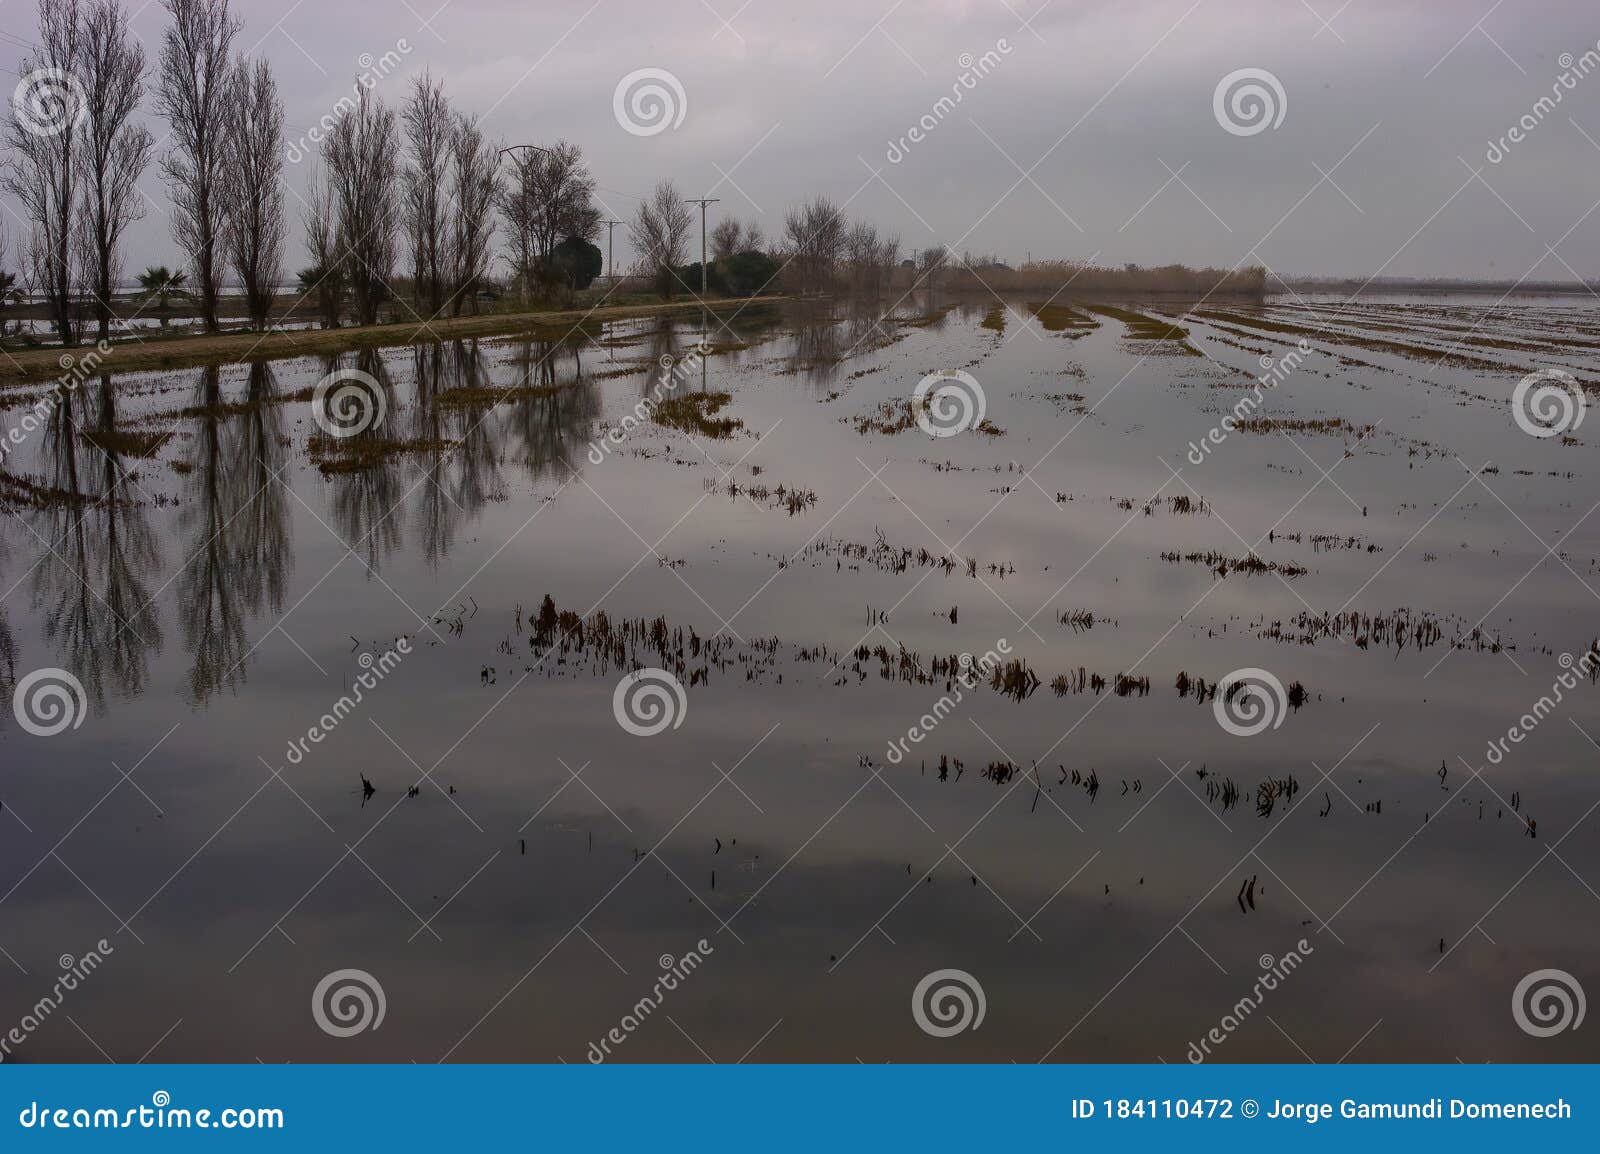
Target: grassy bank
{"points": [[177, 352]]}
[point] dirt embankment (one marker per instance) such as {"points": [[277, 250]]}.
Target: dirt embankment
{"points": [[132, 355]]}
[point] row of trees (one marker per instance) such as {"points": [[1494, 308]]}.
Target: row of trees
{"points": [[76, 160], [421, 188]]}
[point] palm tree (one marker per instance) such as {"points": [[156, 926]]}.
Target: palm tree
{"points": [[160, 282], [8, 293]]}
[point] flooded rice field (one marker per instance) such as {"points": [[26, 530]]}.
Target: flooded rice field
{"points": [[701, 688]]}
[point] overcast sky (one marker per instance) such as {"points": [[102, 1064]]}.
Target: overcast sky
{"points": [[1107, 105]]}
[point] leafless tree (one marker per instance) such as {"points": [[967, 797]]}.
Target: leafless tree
{"points": [[474, 187], [253, 186], [732, 237], [931, 262], [549, 198], [887, 258], [325, 279], [429, 131], [45, 139], [815, 237], [116, 148], [861, 253], [193, 96], [660, 235], [363, 174]]}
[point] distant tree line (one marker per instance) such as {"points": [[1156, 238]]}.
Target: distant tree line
{"points": [[421, 189]]}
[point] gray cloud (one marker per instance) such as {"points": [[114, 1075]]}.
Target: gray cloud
{"points": [[1101, 102]]}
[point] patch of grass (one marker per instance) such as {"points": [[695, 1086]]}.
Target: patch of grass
{"points": [[697, 413], [1060, 318], [357, 454], [900, 414], [483, 396], [1141, 327]]}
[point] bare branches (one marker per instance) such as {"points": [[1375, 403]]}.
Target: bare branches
{"points": [[193, 96], [732, 237], [116, 148], [549, 198], [253, 186], [660, 233], [46, 146], [474, 170], [326, 277], [815, 237], [363, 174], [429, 130]]}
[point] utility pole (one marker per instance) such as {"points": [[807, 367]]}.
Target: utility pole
{"points": [[702, 202], [611, 265]]}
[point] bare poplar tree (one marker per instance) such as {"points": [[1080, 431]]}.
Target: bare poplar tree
{"points": [[931, 262], [325, 279], [815, 236], [660, 234], [474, 188], [363, 177], [429, 131], [253, 186], [861, 252], [116, 149], [887, 258], [193, 96], [518, 204], [45, 136]]}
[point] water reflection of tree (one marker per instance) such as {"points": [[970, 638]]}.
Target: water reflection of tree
{"points": [[460, 466], [555, 407], [261, 522], [238, 551], [209, 596], [99, 551], [819, 342], [128, 555], [366, 501]]}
